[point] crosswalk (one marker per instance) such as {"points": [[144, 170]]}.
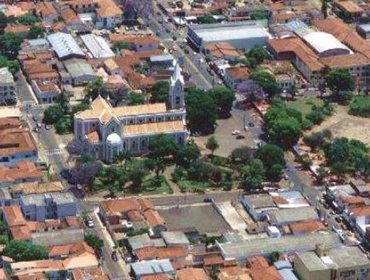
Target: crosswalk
{"points": [[52, 152]]}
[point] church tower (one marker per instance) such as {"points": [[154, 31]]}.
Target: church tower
{"points": [[176, 94]]}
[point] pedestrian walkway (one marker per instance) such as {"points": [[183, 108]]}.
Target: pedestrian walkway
{"points": [[167, 174]]}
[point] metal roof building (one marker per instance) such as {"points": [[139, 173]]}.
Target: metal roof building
{"points": [[242, 35], [64, 45], [326, 44], [152, 267], [97, 46], [285, 244]]}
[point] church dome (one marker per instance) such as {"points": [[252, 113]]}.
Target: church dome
{"points": [[114, 139]]}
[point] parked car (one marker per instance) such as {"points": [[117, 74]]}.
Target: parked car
{"points": [[114, 256], [235, 132], [238, 137]]}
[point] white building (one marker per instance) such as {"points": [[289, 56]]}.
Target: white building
{"points": [[7, 86], [110, 130], [242, 35], [97, 46], [64, 45]]}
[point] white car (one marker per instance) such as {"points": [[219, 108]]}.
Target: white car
{"points": [[90, 224], [235, 132]]}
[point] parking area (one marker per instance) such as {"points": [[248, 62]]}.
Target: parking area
{"points": [[203, 217], [224, 137]]}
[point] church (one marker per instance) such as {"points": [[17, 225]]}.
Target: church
{"points": [[111, 130]]}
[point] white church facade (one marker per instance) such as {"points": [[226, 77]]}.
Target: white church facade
{"points": [[111, 130]]}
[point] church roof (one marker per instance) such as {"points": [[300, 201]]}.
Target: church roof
{"points": [[177, 75], [153, 128], [102, 110]]}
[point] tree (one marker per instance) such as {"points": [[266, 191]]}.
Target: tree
{"points": [[251, 91], [258, 53], [340, 80], [285, 131], [187, 154], [253, 174], [20, 250], [324, 8], [242, 154], [266, 80], [275, 256], [360, 106], [258, 15], [274, 172], [13, 65], [78, 147], [206, 19], [161, 146], [53, 114], [94, 241], [317, 139], [113, 176], [64, 125], [270, 155], [345, 154], [138, 8], [95, 88], [212, 144], [201, 111], [3, 19], [135, 98], [35, 32], [223, 97], [136, 175], [10, 44], [27, 19], [121, 46], [159, 92], [84, 173]]}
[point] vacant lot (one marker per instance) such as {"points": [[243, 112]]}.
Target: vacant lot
{"points": [[203, 217], [341, 124]]}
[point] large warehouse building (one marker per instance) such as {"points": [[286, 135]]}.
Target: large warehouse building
{"points": [[242, 35]]}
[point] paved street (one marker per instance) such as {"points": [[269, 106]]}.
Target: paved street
{"points": [[51, 146]]}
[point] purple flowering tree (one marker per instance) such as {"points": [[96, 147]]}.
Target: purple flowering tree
{"points": [[84, 172], [138, 8], [251, 91]]}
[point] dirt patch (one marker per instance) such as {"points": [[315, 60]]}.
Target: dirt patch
{"points": [[341, 124]]}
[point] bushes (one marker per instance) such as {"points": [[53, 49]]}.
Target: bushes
{"points": [[360, 106]]}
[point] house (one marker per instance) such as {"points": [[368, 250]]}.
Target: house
{"points": [[282, 217], [350, 8], [339, 263], [257, 205], [111, 130], [23, 171], [285, 269], [35, 188], [153, 267], [47, 12], [61, 252], [260, 269], [235, 76], [137, 43], [18, 28], [161, 62], [16, 144], [221, 50], [306, 226], [191, 274], [359, 217], [46, 91], [8, 91], [53, 267], [234, 273], [125, 213], [364, 30], [40, 207], [108, 14], [71, 22], [175, 238], [89, 273], [80, 71]]}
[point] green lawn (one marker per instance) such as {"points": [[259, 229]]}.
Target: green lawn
{"points": [[151, 187], [304, 104], [192, 186]]}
